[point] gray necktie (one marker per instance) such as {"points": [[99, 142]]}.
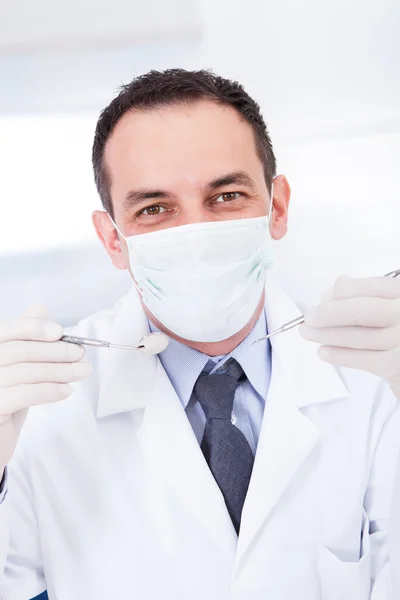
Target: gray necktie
{"points": [[224, 446]]}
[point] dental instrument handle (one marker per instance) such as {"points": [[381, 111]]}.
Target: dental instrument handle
{"points": [[300, 320], [393, 273], [292, 324], [151, 343], [72, 339]]}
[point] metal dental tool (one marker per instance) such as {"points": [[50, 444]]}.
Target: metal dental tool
{"points": [[153, 343], [300, 320]]}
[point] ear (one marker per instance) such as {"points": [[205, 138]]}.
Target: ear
{"points": [[115, 247], [279, 215]]}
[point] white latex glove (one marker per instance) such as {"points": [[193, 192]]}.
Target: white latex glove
{"points": [[358, 325], [35, 368]]}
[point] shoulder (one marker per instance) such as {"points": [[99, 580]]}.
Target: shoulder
{"points": [[373, 408], [369, 390], [99, 324]]}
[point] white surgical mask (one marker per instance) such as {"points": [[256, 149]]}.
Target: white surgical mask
{"points": [[203, 281]]}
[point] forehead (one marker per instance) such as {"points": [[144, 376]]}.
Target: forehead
{"points": [[197, 142]]}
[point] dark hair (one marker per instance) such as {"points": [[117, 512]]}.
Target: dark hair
{"points": [[174, 86]]}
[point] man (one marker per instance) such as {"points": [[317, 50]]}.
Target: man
{"points": [[226, 467]]}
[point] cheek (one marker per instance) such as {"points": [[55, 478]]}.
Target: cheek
{"points": [[256, 207]]}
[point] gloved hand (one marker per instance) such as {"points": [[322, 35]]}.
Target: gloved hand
{"points": [[358, 323], [35, 368]]}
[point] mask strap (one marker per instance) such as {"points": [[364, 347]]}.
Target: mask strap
{"points": [[116, 226], [122, 235], [271, 203]]}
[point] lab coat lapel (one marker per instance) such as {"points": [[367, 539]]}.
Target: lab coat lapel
{"points": [[299, 378], [131, 381], [170, 445], [127, 378]]}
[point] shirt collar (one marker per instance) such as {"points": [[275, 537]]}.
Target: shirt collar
{"points": [[184, 364], [254, 358]]}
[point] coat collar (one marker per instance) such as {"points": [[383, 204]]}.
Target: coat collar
{"points": [[127, 379], [311, 380]]}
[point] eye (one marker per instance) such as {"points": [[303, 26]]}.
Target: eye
{"points": [[228, 197], [152, 211]]}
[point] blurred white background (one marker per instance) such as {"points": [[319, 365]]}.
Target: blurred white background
{"points": [[325, 73]]}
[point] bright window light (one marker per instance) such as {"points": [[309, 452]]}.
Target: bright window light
{"points": [[47, 186]]}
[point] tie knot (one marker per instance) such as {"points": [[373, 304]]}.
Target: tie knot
{"points": [[216, 392]]}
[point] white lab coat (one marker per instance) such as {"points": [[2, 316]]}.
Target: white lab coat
{"points": [[110, 496], [394, 537]]}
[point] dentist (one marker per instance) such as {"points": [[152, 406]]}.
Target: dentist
{"points": [[220, 469]]}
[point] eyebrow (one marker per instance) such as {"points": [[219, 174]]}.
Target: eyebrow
{"points": [[135, 197], [235, 178]]}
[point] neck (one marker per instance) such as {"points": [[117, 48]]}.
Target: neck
{"points": [[213, 348]]}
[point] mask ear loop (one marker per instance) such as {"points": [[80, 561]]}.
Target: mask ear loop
{"points": [[116, 226], [124, 238], [271, 203]]}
